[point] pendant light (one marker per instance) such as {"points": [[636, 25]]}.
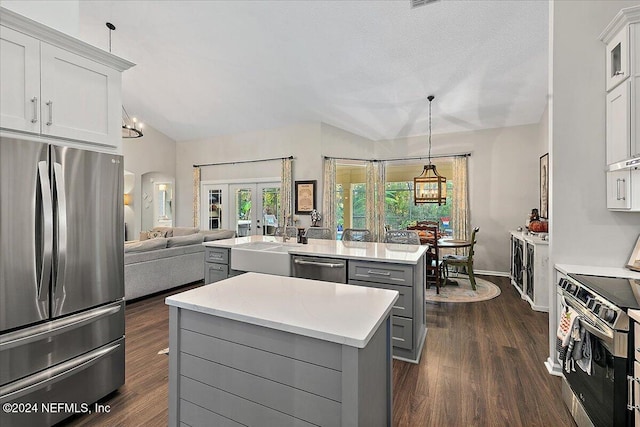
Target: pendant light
{"points": [[430, 187], [131, 128]]}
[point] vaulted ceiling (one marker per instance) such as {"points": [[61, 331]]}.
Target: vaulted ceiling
{"points": [[207, 68]]}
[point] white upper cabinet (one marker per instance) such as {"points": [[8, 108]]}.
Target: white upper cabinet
{"points": [[618, 123], [617, 59], [80, 98], [59, 87], [622, 83], [19, 81]]}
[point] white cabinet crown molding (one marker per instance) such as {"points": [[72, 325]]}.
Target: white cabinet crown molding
{"points": [[40, 31], [625, 17]]}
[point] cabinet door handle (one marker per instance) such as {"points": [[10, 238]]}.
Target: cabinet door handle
{"points": [[34, 101], [50, 105], [624, 190], [619, 73], [618, 189]]}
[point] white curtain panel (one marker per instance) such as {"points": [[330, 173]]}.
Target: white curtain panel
{"points": [[329, 196], [370, 191], [460, 198], [196, 196], [380, 199], [285, 193]]}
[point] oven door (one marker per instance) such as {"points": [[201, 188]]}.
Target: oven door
{"points": [[603, 394]]}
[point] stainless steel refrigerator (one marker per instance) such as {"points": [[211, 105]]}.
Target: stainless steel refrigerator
{"points": [[61, 280]]}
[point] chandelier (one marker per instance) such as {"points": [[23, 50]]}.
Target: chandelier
{"points": [[430, 187], [130, 126]]}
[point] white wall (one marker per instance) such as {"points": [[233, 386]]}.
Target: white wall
{"points": [[503, 181], [503, 170], [154, 152], [583, 230], [62, 15], [301, 141]]}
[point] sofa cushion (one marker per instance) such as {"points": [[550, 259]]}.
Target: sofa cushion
{"points": [[161, 254], [146, 245], [184, 231], [210, 235], [191, 239]]}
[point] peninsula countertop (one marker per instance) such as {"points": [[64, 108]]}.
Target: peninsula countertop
{"points": [[367, 251], [344, 314]]}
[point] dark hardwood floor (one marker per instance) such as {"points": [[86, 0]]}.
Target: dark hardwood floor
{"points": [[482, 365]]}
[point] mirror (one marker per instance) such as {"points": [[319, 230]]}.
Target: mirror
{"points": [[163, 212], [156, 204]]}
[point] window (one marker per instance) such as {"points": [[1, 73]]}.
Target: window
{"points": [[400, 210]]}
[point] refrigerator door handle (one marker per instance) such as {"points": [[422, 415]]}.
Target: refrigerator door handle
{"points": [[26, 336], [61, 265], [46, 254], [17, 389]]}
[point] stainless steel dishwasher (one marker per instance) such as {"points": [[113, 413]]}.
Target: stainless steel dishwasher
{"points": [[319, 268]]}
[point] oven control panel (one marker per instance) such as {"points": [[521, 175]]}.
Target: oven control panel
{"points": [[599, 307]]}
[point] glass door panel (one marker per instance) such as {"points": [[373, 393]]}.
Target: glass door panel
{"points": [[269, 207], [214, 210], [242, 212]]}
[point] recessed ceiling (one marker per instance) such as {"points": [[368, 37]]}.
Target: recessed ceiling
{"points": [[207, 68]]}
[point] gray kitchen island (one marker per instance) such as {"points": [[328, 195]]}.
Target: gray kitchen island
{"points": [[267, 350], [377, 265]]}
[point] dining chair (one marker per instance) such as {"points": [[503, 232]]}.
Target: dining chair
{"points": [[318, 233], [434, 265], [291, 231], [357, 235], [463, 260], [405, 237]]}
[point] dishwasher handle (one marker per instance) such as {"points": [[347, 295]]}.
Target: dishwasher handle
{"points": [[319, 264]]}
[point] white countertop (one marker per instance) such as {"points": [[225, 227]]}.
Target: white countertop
{"points": [[367, 251], [620, 272], [344, 314], [534, 238]]}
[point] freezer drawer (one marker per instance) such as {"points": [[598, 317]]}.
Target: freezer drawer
{"points": [[72, 387], [39, 347]]}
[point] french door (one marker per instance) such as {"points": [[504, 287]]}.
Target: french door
{"points": [[248, 208], [254, 207]]}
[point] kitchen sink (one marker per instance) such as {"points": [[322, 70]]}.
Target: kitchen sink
{"points": [[263, 257]]}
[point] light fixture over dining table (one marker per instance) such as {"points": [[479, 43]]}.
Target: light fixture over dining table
{"points": [[430, 186]]}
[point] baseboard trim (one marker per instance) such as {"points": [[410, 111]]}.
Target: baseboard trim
{"points": [[491, 273]]}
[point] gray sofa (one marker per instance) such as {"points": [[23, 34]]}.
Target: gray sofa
{"points": [[173, 257]]}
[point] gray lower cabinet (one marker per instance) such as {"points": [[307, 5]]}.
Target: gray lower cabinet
{"points": [[225, 372], [409, 327], [216, 264]]}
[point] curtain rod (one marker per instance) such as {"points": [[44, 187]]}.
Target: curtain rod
{"points": [[401, 158], [242, 161]]}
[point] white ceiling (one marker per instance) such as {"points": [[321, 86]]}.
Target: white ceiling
{"points": [[207, 68]]}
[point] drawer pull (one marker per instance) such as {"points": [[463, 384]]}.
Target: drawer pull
{"points": [[379, 273], [398, 339], [34, 101]]}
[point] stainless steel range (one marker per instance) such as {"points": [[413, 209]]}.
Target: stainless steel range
{"points": [[601, 398]]}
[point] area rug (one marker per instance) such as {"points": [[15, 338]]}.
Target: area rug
{"points": [[461, 291]]}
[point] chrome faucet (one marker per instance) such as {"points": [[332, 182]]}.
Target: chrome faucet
{"points": [[285, 236]]}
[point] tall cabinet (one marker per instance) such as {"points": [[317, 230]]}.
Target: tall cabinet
{"points": [[58, 90], [529, 265], [622, 84]]}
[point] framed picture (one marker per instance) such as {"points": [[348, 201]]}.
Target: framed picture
{"points": [[305, 196], [544, 186], [634, 260]]}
